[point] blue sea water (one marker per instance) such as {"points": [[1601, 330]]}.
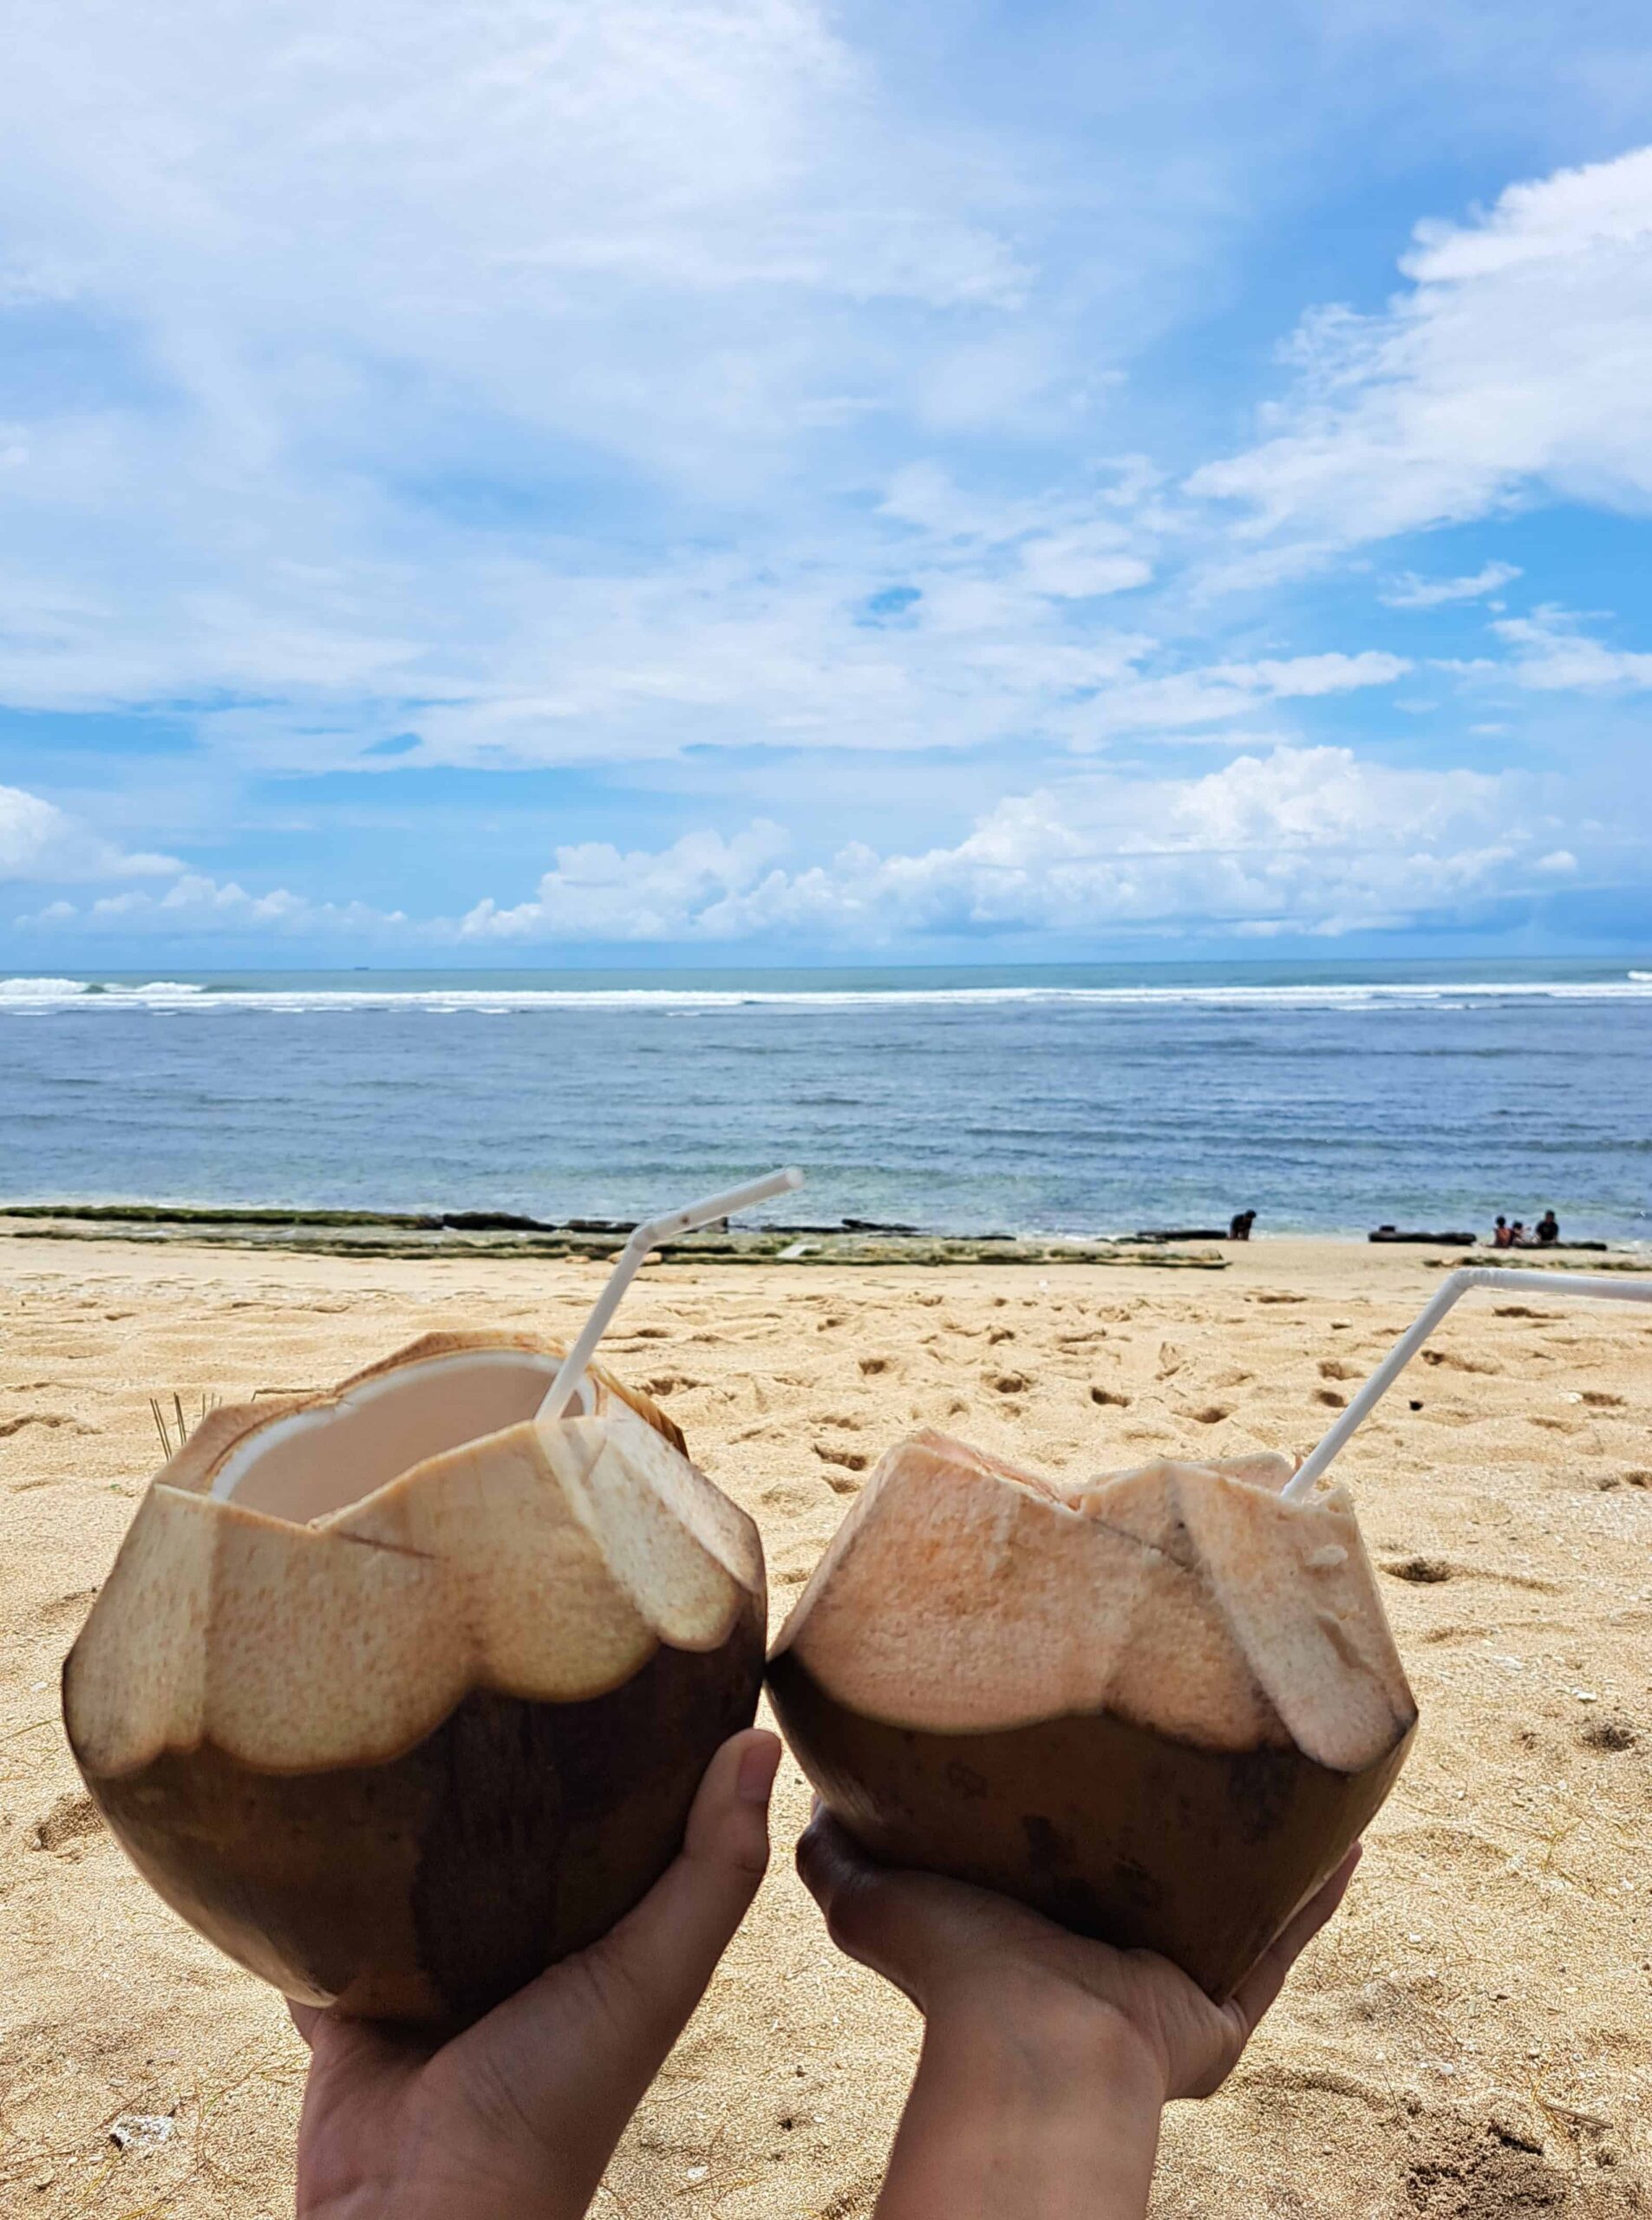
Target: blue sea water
{"points": [[1089, 1098]]}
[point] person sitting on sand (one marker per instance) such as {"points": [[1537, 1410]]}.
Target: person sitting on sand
{"points": [[1548, 1229], [1502, 1235], [1239, 1226], [1519, 1237], [1046, 2059]]}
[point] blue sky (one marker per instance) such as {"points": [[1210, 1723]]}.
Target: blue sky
{"points": [[562, 480]]}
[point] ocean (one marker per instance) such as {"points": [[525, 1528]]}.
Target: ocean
{"points": [[1076, 1098]]}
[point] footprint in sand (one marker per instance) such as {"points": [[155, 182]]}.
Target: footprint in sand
{"points": [[1106, 1395], [1333, 1368], [1331, 1398], [850, 1460], [790, 1495], [1610, 1734], [9, 1426], [1008, 1383], [70, 1827], [870, 1366], [1465, 2169]]}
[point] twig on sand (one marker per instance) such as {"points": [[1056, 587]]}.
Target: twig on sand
{"points": [[176, 1424]]}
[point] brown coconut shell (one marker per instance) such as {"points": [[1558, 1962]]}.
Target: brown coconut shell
{"points": [[403, 1752], [1159, 1707]]}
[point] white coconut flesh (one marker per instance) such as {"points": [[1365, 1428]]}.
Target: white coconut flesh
{"points": [[315, 1461], [962, 1595], [547, 1562]]}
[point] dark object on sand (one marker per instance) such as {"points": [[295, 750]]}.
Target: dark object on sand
{"points": [[1435, 1240], [1181, 1233], [1240, 1224], [495, 1222]]}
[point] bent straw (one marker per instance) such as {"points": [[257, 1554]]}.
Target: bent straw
{"points": [[1453, 1288], [630, 1261]]}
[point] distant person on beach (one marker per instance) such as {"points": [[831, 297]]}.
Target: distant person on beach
{"points": [[1046, 2059], [1239, 1226], [1503, 1237], [1519, 1237], [1548, 1229]]}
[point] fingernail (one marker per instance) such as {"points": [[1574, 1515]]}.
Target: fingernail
{"points": [[758, 1764]]}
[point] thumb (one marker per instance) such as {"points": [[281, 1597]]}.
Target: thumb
{"points": [[661, 1954], [571, 2056]]}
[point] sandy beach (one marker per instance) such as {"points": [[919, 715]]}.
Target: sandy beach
{"points": [[1472, 2037]]}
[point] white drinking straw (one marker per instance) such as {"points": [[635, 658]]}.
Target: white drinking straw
{"points": [[1457, 1284], [630, 1262]]}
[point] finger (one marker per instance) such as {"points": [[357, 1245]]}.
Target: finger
{"points": [[655, 1965], [1267, 1977], [685, 1923], [914, 1928]]}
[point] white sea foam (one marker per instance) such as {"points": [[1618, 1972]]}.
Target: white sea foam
{"points": [[21, 996]]}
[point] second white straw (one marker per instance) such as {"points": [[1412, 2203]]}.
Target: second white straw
{"points": [[1455, 1286], [648, 1236]]}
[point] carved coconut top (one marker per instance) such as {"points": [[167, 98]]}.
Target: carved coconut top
{"points": [[544, 1562], [962, 1595]]}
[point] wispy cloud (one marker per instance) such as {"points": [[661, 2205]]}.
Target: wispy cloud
{"points": [[1410, 592], [1553, 655]]}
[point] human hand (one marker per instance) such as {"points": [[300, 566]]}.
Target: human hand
{"points": [[516, 2118], [952, 1948], [1046, 2059]]}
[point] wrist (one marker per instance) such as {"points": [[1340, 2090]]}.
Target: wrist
{"points": [[1078, 2039], [1034, 2100]]}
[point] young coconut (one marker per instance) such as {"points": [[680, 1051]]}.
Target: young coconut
{"points": [[1158, 1706], [398, 1695]]}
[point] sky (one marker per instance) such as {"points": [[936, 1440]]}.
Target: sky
{"points": [[735, 480]]}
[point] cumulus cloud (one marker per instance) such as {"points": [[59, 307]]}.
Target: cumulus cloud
{"points": [[1516, 361], [1306, 840], [703, 887], [40, 842], [197, 903], [1410, 592]]}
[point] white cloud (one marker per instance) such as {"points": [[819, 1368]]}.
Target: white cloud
{"points": [[701, 887], [1516, 362], [1410, 592], [1307, 840], [40, 842], [196, 903], [1551, 655], [1184, 701]]}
